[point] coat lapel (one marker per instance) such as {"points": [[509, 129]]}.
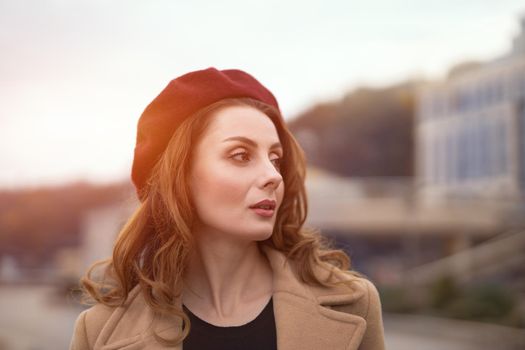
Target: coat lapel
{"points": [[305, 316]]}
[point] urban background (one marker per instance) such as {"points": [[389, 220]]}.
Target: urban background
{"points": [[421, 180]]}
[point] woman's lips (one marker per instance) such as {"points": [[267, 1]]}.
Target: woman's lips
{"points": [[263, 212]]}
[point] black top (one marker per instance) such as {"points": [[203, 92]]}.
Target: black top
{"points": [[258, 334]]}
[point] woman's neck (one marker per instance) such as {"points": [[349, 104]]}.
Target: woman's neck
{"points": [[226, 276]]}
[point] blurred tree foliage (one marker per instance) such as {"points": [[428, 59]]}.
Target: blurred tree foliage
{"points": [[443, 292], [397, 299], [487, 302], [481, 301], [368, 133], [35, 222]]}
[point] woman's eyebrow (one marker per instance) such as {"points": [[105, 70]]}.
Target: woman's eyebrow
{"points": [[250, 141]]}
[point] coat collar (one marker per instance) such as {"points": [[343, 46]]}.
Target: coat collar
{"points": [[304, 317]]}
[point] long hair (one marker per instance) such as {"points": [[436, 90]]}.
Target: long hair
{"points": [[152, 248]]}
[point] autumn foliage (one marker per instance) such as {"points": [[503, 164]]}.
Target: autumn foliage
{"points": [[35, 222]]}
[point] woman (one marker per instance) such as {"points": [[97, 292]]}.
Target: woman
{"points": [[216, 256]]}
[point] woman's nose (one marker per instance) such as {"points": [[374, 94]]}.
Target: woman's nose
{"points": [[271, 175]]}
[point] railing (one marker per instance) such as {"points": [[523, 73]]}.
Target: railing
{"points": [[495, 255]]}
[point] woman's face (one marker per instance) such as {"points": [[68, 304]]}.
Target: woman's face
{"points": [[236, 165]]}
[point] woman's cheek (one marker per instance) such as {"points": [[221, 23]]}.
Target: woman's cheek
{"points": [[232, 190]]}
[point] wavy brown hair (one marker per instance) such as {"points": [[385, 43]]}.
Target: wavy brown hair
{"points": [[152, 248]]}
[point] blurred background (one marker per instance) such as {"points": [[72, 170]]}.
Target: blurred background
{"points": [[411, 114]]}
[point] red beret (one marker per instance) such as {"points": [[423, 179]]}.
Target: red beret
{"points": [[181, 98]]}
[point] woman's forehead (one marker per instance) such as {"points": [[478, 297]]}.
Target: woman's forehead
{"points": [[242, 121]]}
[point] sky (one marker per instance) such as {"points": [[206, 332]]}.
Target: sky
{"points": [[76, 75]]}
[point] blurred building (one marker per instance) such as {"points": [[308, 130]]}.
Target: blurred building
{"points": [[387, 230], [100, 229], [470, 130], [470, 157]]}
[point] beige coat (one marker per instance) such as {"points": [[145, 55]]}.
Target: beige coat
{"points": [[306, 317]]}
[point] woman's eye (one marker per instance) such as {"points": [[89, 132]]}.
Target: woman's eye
{"points": [[244, 154]]}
